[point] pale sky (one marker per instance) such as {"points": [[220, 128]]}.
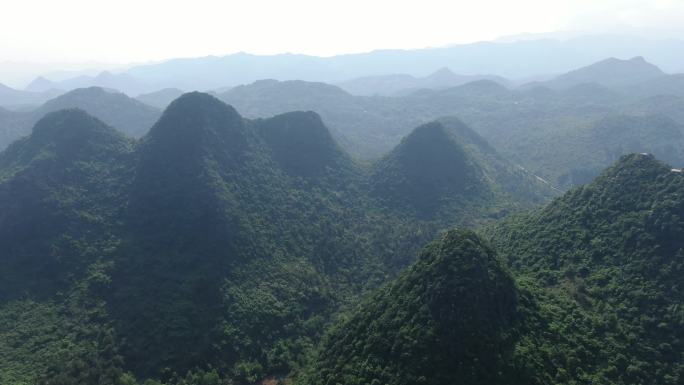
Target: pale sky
{"points": [[122, 31]]}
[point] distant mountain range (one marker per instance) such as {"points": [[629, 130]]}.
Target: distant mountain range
{"points": [[511, 60], [611, 72], [632, 100], [121, 82], [396, 85], [162, 98], [18, 99]]}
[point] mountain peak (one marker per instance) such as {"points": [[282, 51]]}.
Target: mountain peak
{"points": [[610, 72], [455, 309], [301, 143], [193, 112], [67, 134], [194, 128], [71, 122], [476, 88], [115, 108], [633, 166], [41, 84], [429, 165], [630, 183], [78, 94], [443, 73]]}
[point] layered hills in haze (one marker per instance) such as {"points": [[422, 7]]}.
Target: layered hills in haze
{"points": [[512, 60], [395, 85], [17, 99], [611, 72], [523, 124], [116, 109]]}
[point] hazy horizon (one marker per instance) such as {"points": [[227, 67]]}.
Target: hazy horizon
{"points": [[77, 35]]}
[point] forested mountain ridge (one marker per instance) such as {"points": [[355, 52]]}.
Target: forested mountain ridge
{"points": [[444, 166], [585, 290], [59, 189], [453, 315], [213, 241], [223, 249], [553, 133], [608, 258]]}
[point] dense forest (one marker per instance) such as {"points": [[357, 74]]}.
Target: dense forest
{"points": [[538, 238], [586, 290], [215, 241]]}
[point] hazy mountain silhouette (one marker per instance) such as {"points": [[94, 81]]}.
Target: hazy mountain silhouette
{"points": [[160, 99], [611, 72], [393, 85], [518, 59], [114, 108], [12, 98]]}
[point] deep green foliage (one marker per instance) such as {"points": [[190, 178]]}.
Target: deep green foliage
{"points": [[607, 259], [445, 170], [227, 244], [220, 250], [451, 317], [58, 197], [597, 299]]}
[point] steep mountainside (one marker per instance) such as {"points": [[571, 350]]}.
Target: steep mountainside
{"points": [[60, 193], [594, 297], [59, 189], [607, 259], [452, 316], [443, 169]]}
